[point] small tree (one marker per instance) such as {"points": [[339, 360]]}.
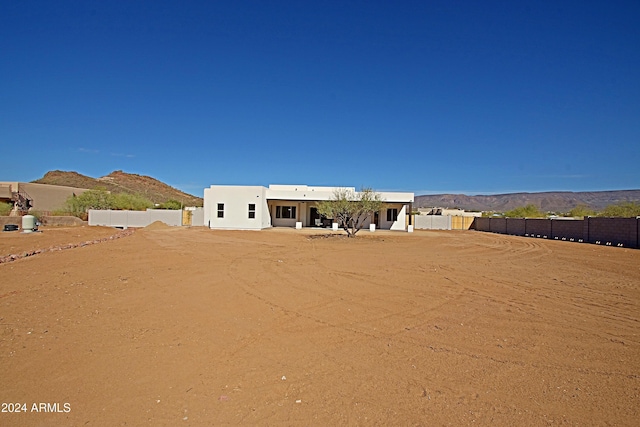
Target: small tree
{"points": [[351, 209]]}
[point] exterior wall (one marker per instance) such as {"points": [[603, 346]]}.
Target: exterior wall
{"points": [[236, 200], [206, 207], [499, 225], [538, 227], [567, 229], [613, 231], [5, 191], [302, 192], [461, 222], [443, 222], [623, 232], [44, 197], [49, 197], [169, 217], [62, 221], [481, 224], [113, 218], [400, 221], [15, 220], [7, 188], [517, 226], [197, 217], [433, 222], [50, 221], [309, 193]]}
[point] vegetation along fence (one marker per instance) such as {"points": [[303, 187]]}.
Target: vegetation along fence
{"points": [[623, 232]]}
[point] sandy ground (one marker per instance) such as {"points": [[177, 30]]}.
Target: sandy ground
{"points": [[195, 327]]}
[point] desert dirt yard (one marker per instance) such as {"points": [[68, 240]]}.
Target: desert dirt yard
{"points": [[194, 327]]}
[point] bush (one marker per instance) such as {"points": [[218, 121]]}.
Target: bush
{"points": [[132, 202], [622, 210], [92, 199], [102, 199], [581, 211], [529, 211], [170, 204], [5, 208]]}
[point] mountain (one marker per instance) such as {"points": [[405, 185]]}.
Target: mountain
{"points": [[558, 201], [122, 182]]}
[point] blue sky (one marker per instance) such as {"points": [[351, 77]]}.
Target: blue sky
{"points": [[472, 97]]}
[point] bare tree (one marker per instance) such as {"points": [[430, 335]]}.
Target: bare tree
{"points": [[351, 209]]}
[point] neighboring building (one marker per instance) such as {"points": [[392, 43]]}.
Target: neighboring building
{"points": [[447, 211], [256, 207], [40, 197]]}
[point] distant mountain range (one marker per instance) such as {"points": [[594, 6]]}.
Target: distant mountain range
{"points": [[557, 201], [122, 182]]}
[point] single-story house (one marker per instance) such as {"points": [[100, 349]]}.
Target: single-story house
{"points": [[238, 207]]}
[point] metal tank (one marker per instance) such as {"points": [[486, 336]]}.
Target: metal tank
{"points": [[29, 224]]}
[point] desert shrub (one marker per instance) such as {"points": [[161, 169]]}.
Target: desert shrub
{"points": [[101, 199], [170, 204], [581, 211], [92, 199], [622, 210], [529, 211], [5, 208], [134, 202]]}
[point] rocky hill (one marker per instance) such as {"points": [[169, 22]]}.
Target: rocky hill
{"points": [[122, 182], [559, 201]]}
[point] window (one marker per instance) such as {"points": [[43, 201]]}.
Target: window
{"points": [[220, 210], [252, 210], [392, 214], [288, 212]]}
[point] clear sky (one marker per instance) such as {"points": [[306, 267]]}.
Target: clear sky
{"points": [[472, 97]]}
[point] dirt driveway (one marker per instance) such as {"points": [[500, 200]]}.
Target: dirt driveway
{"points": [[193, 327]]}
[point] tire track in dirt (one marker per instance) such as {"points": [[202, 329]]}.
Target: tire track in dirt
{"points": [[332, 295], [568, 294]]}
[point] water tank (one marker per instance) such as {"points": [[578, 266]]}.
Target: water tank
{"points": [[28, 223]]}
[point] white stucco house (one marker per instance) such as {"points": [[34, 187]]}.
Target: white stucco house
{"points": [[236, 207]]}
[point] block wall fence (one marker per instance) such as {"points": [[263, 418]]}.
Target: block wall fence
{"points": [[623, 232], [442, 222]]}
